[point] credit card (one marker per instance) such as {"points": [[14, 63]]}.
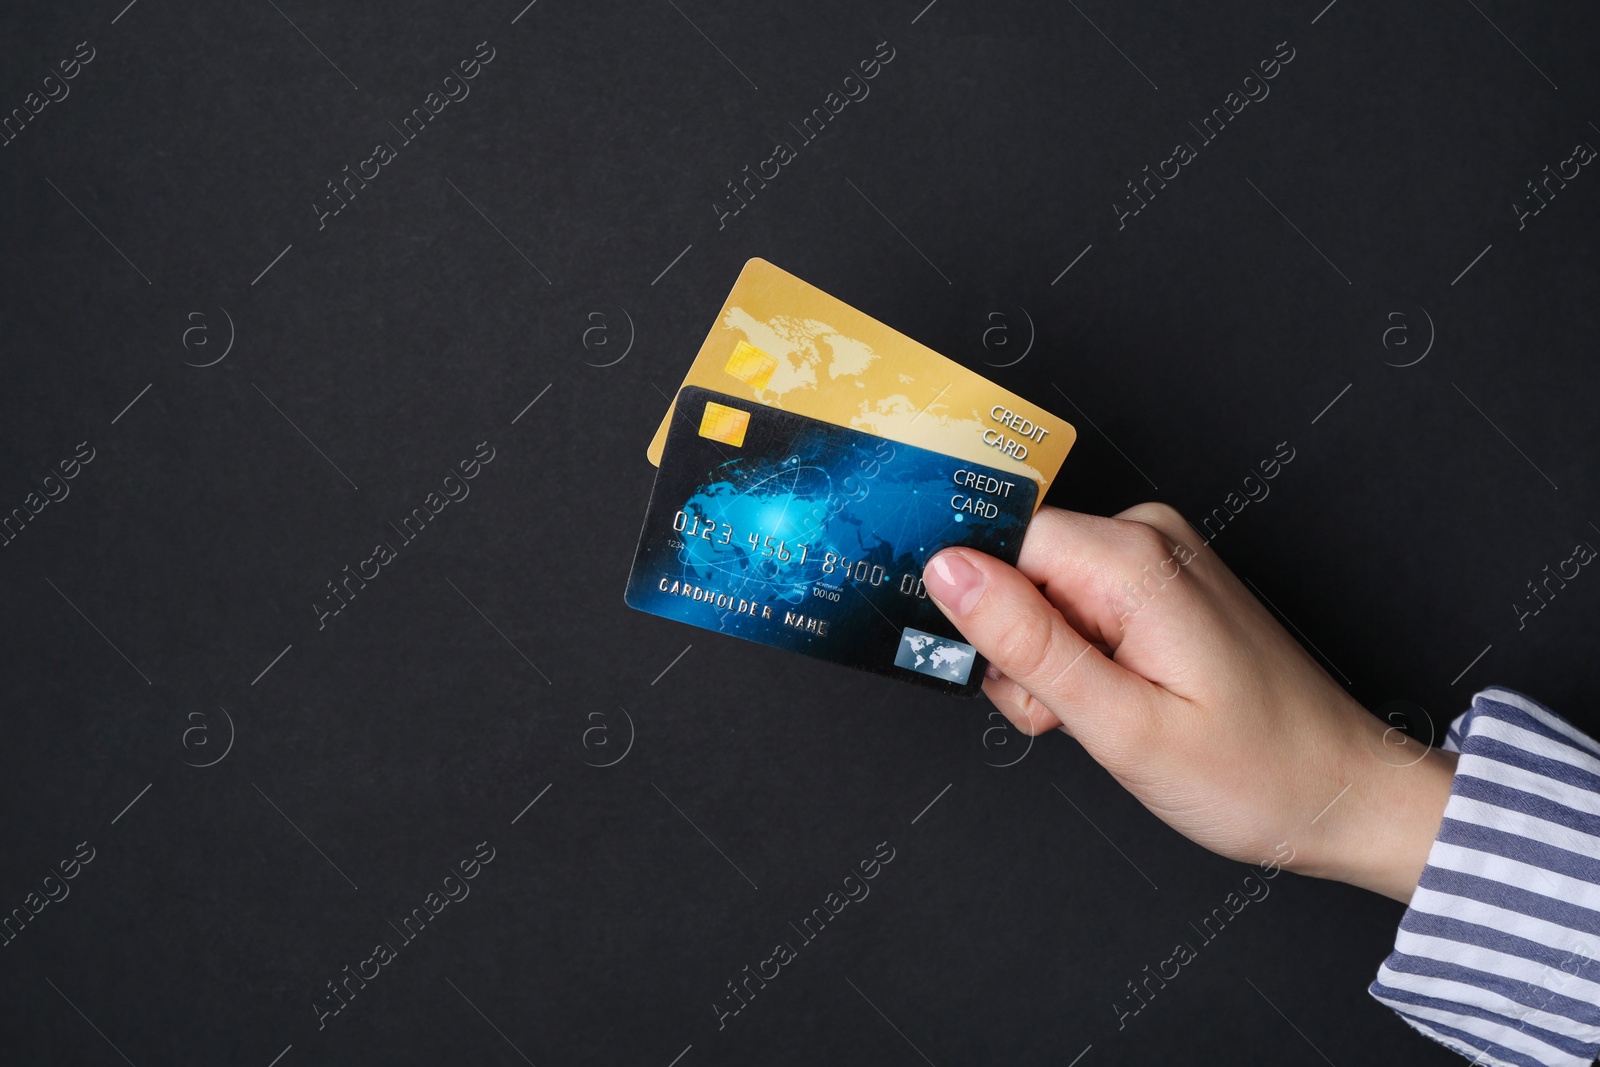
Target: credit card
{"points": [[803, 535], [786, 344]]}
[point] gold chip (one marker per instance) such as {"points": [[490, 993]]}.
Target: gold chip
{"points": [[725, 424], [751, 365]]}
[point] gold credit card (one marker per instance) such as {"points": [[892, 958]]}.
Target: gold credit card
{"points": [[784, 343]]}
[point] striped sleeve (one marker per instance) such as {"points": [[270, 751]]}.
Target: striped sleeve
{"points": [[1498, 956]]}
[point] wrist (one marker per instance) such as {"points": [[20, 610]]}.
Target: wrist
{"points": [[1382, 830]]}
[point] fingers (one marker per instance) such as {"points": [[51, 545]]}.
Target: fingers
{"points": [[1165, 518], [1022, 708], [1005, 617], [1099, 571]]}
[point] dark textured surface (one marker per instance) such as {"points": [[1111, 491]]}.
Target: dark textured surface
{"points": [[414, 724]]}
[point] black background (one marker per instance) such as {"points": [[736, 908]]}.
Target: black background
{"points": [[408, 330]]}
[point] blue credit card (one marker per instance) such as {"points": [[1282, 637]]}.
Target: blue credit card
{"points": [[811, 537]]}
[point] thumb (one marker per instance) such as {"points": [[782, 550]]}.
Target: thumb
{"points": [[1052, 674]]}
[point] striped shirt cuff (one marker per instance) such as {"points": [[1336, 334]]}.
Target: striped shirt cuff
{"points": [[1498, 956]]}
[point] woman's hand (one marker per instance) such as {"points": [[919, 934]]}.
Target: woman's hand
{"points": [[1130, 634]]}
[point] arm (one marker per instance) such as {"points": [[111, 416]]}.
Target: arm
{"points": [[1498, 956], [1131, 635]]}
